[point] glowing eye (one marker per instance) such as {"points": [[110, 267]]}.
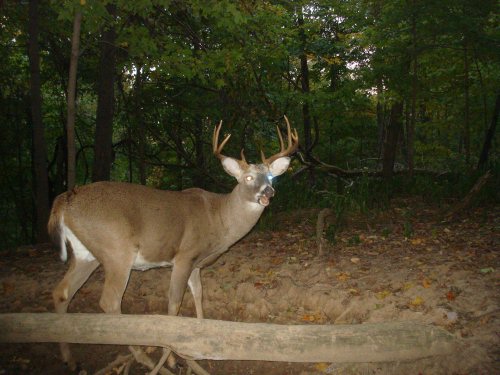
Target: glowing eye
{"points": [[249, 178]]}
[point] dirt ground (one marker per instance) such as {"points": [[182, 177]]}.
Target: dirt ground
{"points": [[400, 264]]}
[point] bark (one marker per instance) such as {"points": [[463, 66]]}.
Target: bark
{"points": [[380, 120], [141, 131], [70, 125], [103, 150], [41, 180], [304, 81], [391, 140], [199, 178], [410, 135], [490, 134], [201, 338], [466, 130]]}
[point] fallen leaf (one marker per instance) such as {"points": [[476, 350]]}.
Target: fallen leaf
{"points": [[355, 260], [343, 276], [322, 367], [407, 286], [383, 294], [308, 318], [354, 291], [426, 283], [417, 301], [417, 241], [484, 271], [450, 296]]}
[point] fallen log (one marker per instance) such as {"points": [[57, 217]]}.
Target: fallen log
{"points": [[224, 340]]}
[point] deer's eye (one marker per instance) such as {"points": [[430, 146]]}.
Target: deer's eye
{"points": [[249, 178]]}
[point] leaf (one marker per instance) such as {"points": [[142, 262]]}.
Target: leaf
{"points": [[355, 260], [308, 318], [484, 271], [407, 286], [417, 241], [450, 296], [322, 367], [383, 294], [426, 283], [417, 301], [343, 276]]}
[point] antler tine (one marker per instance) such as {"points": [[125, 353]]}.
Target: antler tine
{"points": [[293, 144], [215, 140], [217, 149]]}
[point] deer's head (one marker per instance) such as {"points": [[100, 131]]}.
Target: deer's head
{"points": [[255, 180]]}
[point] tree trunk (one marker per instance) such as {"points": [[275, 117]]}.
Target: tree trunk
{"points": [[490, 134], [103, 151], [201, 338], [140, 126], [466, 130], [380, 120], [41, 180], [410, 135], [199, 178], [70, 125], [304, 82], [391, 139]]}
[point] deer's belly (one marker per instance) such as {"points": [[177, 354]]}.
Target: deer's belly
{"points": [[142, 264]]}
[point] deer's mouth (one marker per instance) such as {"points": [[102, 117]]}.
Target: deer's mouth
{"points": [[265, 197], [264, 201]]}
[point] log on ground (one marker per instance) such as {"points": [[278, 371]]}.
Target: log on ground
{"points": [[224, 340]]}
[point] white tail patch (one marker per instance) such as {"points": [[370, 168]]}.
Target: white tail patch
{"points": [[80, 252]]}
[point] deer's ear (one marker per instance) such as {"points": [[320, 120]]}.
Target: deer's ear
{"points": [[279, 166], [232, 167]]}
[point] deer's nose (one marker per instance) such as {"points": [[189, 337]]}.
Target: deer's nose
{"points": [[268, 191]]}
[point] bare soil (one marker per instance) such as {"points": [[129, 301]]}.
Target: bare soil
{"points": [[400, 264]]}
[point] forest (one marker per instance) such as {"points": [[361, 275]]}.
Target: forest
{"points": [[387, 215], [389, 97]]}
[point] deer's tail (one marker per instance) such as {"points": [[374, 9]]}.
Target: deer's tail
{"points": [[55, 225]]}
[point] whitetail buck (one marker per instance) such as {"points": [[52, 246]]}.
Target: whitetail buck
{"points": [[126, 226]]}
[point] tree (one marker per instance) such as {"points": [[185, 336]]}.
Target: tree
{"points": [[70, 125], [41, 181], [490, 134], [103, 147]]}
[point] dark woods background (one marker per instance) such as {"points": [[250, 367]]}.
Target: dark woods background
{"points": [[390, 97]]}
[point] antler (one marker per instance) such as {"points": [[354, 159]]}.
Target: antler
{"points": [[293, 144], [218, 148]]}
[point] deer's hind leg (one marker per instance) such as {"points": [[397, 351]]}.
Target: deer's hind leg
{"points": [[116, 275], [79, 271]]}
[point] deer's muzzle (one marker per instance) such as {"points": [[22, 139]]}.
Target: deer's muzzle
{"points": [[267, 193]]}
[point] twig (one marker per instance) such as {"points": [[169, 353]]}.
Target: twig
{"points": [[161, 362], [120, 359], [144, 359]]}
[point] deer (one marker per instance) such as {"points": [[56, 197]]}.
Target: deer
{"points": [[124, 227]]}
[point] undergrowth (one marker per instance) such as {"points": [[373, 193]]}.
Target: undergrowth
{"points": [[364, 194]]}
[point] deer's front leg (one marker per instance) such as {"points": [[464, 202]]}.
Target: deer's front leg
{"points": [[194, 283], [178, 283]]}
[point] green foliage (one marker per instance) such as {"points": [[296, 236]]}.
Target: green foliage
{"points": [[183, 66]]}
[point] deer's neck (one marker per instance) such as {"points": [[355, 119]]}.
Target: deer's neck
{"points": [[239, 215]]}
